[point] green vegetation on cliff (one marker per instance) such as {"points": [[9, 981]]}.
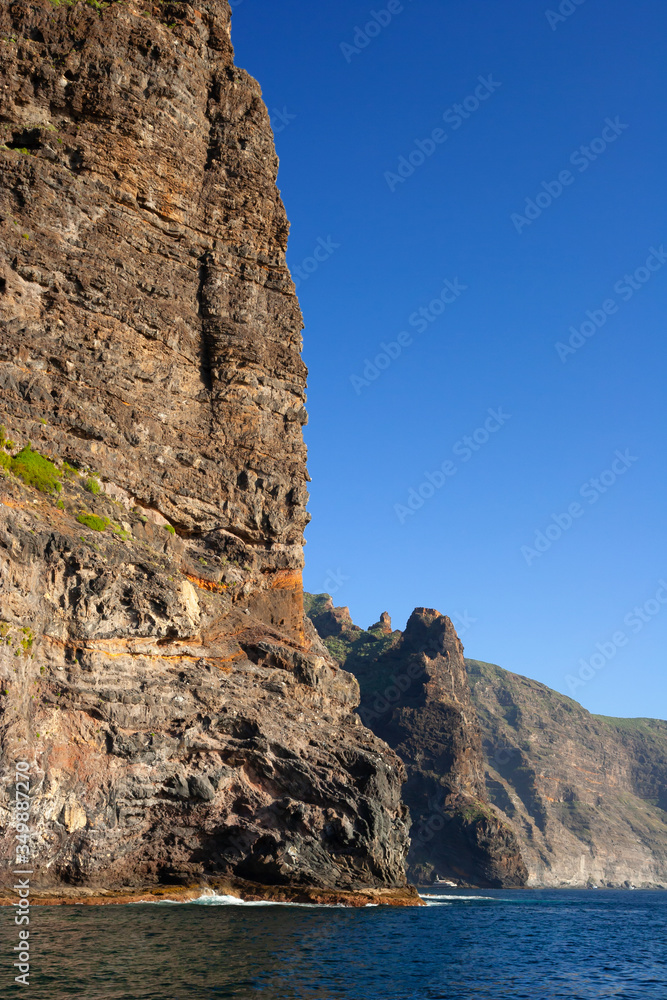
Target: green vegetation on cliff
{"points": [[34, 469], [351, 646]]}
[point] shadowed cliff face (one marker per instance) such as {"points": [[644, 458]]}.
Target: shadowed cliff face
{"points": [[586, 795], [179, 717], [415, 695]]}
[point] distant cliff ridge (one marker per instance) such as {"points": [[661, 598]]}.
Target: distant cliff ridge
{"points": [[508, 781], [587, 795], [180, 717], [415, 695]]}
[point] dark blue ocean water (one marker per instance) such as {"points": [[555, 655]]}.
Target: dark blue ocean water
{"points": [[485, 945]]}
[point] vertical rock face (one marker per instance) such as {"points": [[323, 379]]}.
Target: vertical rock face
{"points": [[415, 695], [178, 716], [149, 317], [586, 795]]}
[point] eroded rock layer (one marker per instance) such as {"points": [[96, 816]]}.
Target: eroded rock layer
{"points": [[179, 718]]}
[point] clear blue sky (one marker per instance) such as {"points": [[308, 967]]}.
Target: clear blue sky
{"points": [[581, 99]]}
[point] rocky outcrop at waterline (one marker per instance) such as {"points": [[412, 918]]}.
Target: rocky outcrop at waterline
{"points": [[181, 719]]}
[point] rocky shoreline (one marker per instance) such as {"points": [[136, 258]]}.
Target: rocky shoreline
{"points": [[239, 889]]}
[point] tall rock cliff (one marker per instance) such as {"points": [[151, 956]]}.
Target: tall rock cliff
{"points": [[415, 695], [179, 717], [586, 795]]}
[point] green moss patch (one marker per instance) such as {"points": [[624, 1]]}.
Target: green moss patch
{"points": [[20, 638], [91, 485], [35, 470], [94, 522], [476, 812], [98, 5]]}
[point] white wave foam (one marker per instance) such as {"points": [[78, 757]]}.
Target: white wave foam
{"points": [[433, 896], [211, 899]]}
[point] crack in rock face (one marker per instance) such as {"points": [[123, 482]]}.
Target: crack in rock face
{"points": [[180, 718]]}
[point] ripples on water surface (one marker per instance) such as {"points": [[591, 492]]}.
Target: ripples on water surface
{"points": [[520, 945]]}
